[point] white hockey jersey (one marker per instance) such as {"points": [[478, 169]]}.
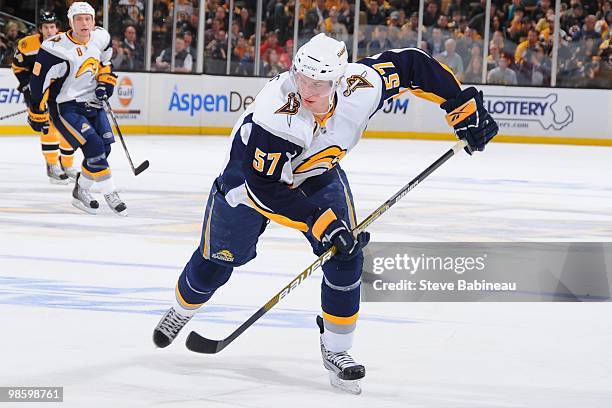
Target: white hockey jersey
{"points": [[277, 144], [68, 68]]}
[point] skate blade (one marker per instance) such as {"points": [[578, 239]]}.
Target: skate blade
{"points": [[59, 182], [77, 204], [349, 386]]}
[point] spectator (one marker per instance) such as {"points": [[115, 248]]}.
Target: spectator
{"points": [[243, 54], [535, 68], [119, 54], [515, 5], [526, 46], [462, 7], [451, 59], [8, 42], [465, 43], [478, 21], [271, 43], [211, 33], [220, 16], [333, 28], [442, 23], [494, 55], [380, 42], [502, 74], [588, 30], [499, 40], [247, 26], [216, 54], [374, 15], [396, 19], [131, 12], [572, 19], [407, 37], [272, 67], [286, 58], [184, 10], [345, 15], [424, 46], [541, 9], [515, 28], [160, 13], [476, 51], [188, 37], [436, 44], [473, 72], [586, 53], [133, 50], [430, 17], [183, 60]]}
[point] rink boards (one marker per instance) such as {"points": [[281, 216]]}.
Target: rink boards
{"points": [[158, 103]]}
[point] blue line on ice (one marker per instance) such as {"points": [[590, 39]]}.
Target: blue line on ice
{"points": [[131, 265], [55, 294]]}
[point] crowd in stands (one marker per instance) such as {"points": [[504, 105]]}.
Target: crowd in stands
{"points": [[519, 51]]}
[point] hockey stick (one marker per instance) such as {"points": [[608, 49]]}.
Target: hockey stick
{"points": [[13, 114], [200, 344], [145, 164]]}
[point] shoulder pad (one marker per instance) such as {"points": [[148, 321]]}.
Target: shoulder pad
{"points": [[277, 110], [358, 80], [101, 37], [29, 45], [57, 45]]}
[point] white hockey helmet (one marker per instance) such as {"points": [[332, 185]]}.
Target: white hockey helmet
{"points": [[322, 58], [80, 7]]}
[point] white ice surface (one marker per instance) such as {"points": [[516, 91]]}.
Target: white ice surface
{"points": [[80, 294]]}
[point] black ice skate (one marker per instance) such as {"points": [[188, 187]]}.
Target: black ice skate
{"points": [[169, 327], [56, 174], [115, 203], [82, 198], [344, 372]]}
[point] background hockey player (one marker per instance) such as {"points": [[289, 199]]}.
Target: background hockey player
{"points": [[283, 165], [75, 68], [58, 153]]}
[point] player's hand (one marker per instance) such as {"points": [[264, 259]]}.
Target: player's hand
{"points": [[38, 119], [106, 86], [467, 114], [27, 95], [337, 233], [101, 93]]}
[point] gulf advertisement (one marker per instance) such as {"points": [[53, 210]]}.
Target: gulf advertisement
{"points": [[129, 103]]}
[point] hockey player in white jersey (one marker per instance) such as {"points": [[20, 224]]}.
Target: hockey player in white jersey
{"points": [[283, 165], [73, 71]]}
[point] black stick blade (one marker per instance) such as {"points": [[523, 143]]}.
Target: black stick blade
{"points": [[200, 344], [143, 166]]}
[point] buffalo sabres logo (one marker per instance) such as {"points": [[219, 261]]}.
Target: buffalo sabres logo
{"points": [[323, 160], [90, 64], [291, 107], [224, 255], [355, 82]]}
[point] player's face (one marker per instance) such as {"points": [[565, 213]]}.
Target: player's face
{"points": [[83, 24], [315, 94], [48, 30]]}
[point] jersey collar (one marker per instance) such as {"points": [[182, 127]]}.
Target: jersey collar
{"points": [[321, 121], [74, 40]]}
